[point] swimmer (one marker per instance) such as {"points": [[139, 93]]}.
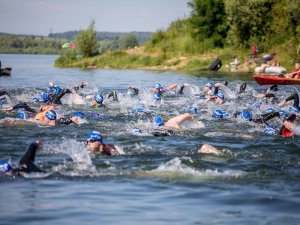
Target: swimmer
{"points": [[211, 90], [26, 163], [97, 101], [269, 92], [132, 91], [49, 117], [295, 108], [175, 122], [289, 126], [77, 87], [220, 98], [95, 144], [114, 95]]}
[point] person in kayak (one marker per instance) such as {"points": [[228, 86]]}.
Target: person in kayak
{"points": [[95, 144], [296, 73]]}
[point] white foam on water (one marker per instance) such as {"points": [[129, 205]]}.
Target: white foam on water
{"points": [[75, 150], [175, 168]]}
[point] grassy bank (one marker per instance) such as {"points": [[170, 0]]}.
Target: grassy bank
{"points": [[140, 58]]}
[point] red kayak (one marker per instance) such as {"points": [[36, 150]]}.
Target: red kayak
{"points": [[270, 80]]}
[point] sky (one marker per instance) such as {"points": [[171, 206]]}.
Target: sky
{"points": [[40, 17]]}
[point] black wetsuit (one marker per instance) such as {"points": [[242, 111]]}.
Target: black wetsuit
{"points": [[24, 106], [114, 95], [133, 91], [3, 93], [162, 132], [26, 163], [55, 99], [65, 121], [262, 118], [294, 97]]}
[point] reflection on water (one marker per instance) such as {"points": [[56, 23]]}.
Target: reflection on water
{"points": [[160, 180]]}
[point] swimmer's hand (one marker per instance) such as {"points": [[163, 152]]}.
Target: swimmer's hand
{"points": [[74, 120], [281, 103]]}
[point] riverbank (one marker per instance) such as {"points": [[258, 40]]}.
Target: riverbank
{"points": [[141, 59]]}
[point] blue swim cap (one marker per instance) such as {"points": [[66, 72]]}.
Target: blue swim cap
{"points": [[220, 95], [78, 114], [138, 110], [157, 96], [35, 99], [22, 115], [294, 109], [158, 86], [283, 114], [269, 130], [246, 115], [270, 110], [193, 110], [136, 131], [94, 136], [45, 97], [219, 114], [51, 115], [158, 120], [208, 84], [5, 166], [98, 98]]}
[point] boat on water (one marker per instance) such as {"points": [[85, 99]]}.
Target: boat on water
{"points": [[271, 70], [5, 71], [270, 80]]}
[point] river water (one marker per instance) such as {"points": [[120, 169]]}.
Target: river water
{"points": [[159, 180]]}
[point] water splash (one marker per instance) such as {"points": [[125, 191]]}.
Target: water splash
{"points": [[175, 169]]}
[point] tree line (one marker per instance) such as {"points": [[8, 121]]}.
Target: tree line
{"points": [[237, 24]]}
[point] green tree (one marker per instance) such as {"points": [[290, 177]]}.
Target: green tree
{"points": [[128, 41], [208, 21], [86, 41]]}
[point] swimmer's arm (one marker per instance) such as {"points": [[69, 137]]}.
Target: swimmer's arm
{"points": [[67, 121]]}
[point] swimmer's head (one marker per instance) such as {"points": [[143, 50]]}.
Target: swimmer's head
{"points": [[5, 166], [35, 99], [218, 114], [45, 97], [51, 115], [246, 115], [22, 115], [158, 86], [158, 120], [220, 95], [269, 130], [93, 136], [79, 114], [98, 98], [208, 84], [51, 84], [157, 96]]}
